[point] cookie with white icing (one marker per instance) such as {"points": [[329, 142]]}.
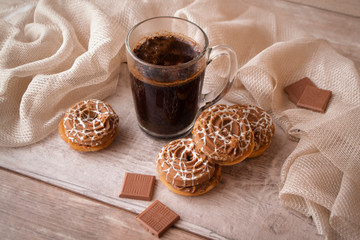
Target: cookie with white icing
{"points": [[224, 135], [184, 171], [89, 125], [261, 124]]}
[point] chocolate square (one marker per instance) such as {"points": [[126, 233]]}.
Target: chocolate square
{"points": [[314, 98], [157, 218], [296, 89], [137, 186]]}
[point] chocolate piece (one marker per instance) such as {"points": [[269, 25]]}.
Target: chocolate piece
{"points": [[296, 89], [314, 98], [157, 218], [137, 186]]}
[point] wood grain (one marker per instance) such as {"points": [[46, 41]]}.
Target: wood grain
{"points": [[31, 209], [342, 31], [349, 7]]}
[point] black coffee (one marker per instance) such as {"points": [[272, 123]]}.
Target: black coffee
{"points": [[166, 101]]}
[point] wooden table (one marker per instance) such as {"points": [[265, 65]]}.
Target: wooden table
{"points": [[31, 209]]}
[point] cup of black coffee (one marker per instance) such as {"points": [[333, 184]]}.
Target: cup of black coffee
{"points": [[167, 57]]}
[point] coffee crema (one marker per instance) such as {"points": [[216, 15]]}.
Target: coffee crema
{"points": [[166, 101], [167, 50]]}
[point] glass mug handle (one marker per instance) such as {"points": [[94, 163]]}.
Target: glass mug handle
{"points": [[220, 50]]}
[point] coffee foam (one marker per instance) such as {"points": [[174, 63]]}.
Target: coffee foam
{"points": [[168, 76]]}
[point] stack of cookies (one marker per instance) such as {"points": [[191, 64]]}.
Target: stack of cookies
{"points": [[222, 135]]}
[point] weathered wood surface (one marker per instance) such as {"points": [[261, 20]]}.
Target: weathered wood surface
{"points": [[341, 30], [347, 7], [31, 209]]}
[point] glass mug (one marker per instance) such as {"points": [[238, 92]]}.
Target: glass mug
{"points": [[166, 58]]}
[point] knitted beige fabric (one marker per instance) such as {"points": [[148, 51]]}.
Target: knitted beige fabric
{"points": [[321, 177], [55, 53]]}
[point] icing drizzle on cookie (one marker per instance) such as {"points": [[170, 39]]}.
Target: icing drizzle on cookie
{"points": [[223, 134], [261, 124], [91, 123], [182, 166]]}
